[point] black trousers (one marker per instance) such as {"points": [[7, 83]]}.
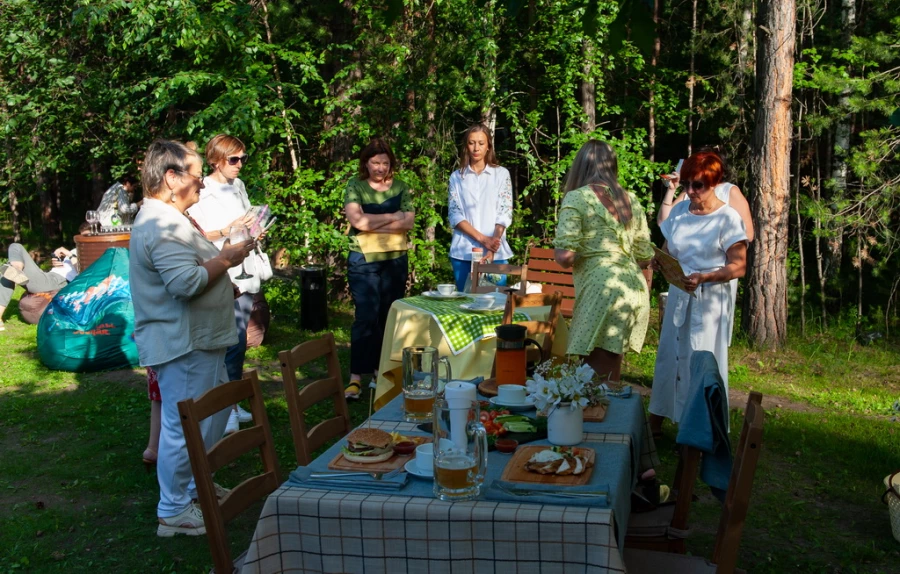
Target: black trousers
{"points": [[374, 287]]}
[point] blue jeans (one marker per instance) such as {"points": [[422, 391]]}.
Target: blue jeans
{"points": [[374, 287], [462, 270]]}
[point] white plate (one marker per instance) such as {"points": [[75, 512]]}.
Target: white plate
{"points": [[413, 469], [512, 408], [470, 307], [436, 295]]}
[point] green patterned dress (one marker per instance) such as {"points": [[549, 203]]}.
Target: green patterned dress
{"points": [[612, 305]]}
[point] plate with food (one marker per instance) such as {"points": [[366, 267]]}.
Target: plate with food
{"points": [[372, 450], [550, 465]]}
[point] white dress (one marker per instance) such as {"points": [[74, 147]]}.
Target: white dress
{"points": [[723, 192], [701, 323]]}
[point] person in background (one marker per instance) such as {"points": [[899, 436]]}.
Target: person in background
{"points": [[379, 208], [603, 234], [22, 270], [223, 205], [183, 318], [728, 193], [118, 194], [479, 205], [708, 238]]}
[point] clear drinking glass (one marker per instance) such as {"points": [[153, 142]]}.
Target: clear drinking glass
{"points": [[420, 381], [92, 218], [461, 462], [237, 235]]}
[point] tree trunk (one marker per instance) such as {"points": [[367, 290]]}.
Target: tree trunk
{"points": [[588, 90], [690, 118], [288, 128], [800, 226], [765, 307], [654, 59]]}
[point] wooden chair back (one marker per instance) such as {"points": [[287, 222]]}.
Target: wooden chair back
{"points": [[734, 509], [479, 269], [216, 513], [307, 440], [554, 277]]}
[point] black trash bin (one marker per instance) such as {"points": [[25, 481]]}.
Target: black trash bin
{"points": [[313, 298]]}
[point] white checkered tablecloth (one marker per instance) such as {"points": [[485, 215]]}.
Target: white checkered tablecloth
{"points": [[303, 530]]}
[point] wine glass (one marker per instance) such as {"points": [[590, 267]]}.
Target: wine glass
{"points": [[92, 217], [236, 235]]}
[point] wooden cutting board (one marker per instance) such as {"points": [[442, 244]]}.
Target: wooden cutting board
{"points": [[515, 469], [396, 461], [595, 414]]}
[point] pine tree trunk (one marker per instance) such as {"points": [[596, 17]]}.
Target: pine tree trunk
{"points": [[654, 59], [588, 93], [690, 118], [288, 128], [765, 306]]}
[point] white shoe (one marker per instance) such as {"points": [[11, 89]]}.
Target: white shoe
{"points": [[243, 416], [233, 424], [189, 522]]}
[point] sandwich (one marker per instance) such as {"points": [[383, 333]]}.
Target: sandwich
{"points": [[368, 445]]}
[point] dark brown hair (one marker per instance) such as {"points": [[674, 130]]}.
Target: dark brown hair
{"points": [[376, 147], [489, 157]]}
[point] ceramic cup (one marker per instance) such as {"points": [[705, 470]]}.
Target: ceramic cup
{"points": [[446, 288], [511, 394], [425, 458], [485, 301]]}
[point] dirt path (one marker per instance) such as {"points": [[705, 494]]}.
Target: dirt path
{"points": [[739, 398]]}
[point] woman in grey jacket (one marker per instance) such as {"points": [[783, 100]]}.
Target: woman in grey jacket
{"points": [[183, 317]]}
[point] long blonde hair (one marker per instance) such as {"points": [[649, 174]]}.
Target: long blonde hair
{"points": [[596, 163]]}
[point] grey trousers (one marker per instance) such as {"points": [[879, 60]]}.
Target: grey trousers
{"points": [[38, 281]]}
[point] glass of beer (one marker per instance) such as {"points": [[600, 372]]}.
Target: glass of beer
{"points": [[460, 463], [420, 381]]}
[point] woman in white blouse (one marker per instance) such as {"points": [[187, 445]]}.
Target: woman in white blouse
{"points": [[480, 205]]}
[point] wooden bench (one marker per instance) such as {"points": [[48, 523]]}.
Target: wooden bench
{"points": [[543, 268]]}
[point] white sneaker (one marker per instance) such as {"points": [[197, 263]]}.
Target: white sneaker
{"points": [[233, 424], [243, 416], [189, 522]]}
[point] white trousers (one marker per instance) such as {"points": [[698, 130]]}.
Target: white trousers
{"points": [[186, 377]]}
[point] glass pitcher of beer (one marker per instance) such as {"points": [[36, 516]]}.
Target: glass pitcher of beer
{"points": [[420, 381], [460, 463]]}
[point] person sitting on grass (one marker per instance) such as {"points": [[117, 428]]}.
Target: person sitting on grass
{"points": [[22, 270]]}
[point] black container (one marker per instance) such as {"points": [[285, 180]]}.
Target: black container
{"points": [[313, 298]]}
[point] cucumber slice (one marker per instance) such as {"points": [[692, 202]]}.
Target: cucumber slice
{"points": [[519, 427]]}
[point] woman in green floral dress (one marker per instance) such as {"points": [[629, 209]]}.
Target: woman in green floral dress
{"points": [[603, 234]]}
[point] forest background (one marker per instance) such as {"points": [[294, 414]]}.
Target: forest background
{"points": [[85, 85]]}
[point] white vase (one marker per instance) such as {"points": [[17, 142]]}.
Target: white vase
{"points": [[565, 425]]}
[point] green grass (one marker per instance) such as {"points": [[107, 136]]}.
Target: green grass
{"points": [[74, 496]]}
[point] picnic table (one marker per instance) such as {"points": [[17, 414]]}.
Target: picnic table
{"points": [[467, 339], [356, 527]]}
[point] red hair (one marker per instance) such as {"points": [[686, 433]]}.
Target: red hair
{"points": [[705, 166]]}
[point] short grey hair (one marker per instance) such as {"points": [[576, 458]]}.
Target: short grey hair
{"points": [[163, 155]]}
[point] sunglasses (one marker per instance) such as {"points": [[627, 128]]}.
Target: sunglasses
{"points": [[186, 172], [696, 185], [233, 160]]}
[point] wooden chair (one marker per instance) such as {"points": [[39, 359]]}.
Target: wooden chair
{"points": [[734, 512], [553, 276], [479, 269], [204, 463], [665, 528], [306, 440]]}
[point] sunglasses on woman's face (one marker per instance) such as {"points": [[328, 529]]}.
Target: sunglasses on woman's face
{"points": [[696, 185], [233, 160]]}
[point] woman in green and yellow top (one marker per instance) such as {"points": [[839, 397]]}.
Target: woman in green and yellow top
{"points": [[379, 209], [603, 233]]}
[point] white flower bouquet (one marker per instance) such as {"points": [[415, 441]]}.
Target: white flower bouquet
{"points": [[571, 383]]}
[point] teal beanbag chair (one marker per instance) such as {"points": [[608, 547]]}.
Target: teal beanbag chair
{"points": [[88, 326]]}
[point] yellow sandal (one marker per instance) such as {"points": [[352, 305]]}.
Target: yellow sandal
{"points": [[353, 390]]}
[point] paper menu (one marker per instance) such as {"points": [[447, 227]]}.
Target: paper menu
{"points": [[670, 268]]}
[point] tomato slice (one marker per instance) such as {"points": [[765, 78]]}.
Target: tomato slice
{"points": [[484, 417], [493, 415]]}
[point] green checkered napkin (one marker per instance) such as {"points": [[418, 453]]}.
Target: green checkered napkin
{"points": [[461, 328]]}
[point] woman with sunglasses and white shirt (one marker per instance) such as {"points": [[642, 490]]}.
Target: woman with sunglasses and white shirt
{"points": [[223, 204], [709, 239]]}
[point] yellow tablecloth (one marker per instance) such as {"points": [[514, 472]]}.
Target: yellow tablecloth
{"points": [[409, 326]]}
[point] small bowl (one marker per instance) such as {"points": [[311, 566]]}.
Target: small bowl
{"points": [[506, 445], [405, 447]]}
